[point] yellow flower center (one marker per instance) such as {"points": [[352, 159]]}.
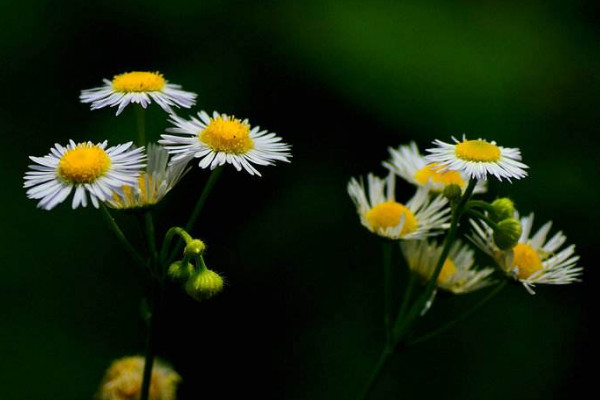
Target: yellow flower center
{"points": [[527, 260], [447, 272], [138, 81], [388, 215], [477, 150], [228, 135], [83, 164], [432, 173]]}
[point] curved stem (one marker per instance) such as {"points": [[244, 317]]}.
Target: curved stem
{"points": [[121, 236], [461, 317], [480, 204], [175, 230], [483, 217]]}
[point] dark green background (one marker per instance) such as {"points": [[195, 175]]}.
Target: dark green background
{"points": [[301, 315]]}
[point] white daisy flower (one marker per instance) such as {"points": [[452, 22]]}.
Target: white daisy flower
{"points": [[223, 139], [408, 163], [138, 87], [152, 185], [478, 159], [533, 260], [87, 168], [380, 213], [458, 275]]}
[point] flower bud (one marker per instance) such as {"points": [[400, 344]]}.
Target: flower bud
{"points": [[452, 192], [503, 208], [179, 272], [507, 233], [204, 284], [194, 247]]}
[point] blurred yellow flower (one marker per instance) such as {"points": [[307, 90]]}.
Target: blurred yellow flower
{"points": [[123, 380]]}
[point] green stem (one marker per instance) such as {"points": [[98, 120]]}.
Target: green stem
{"points": [[150, 342], [461, 317], [483, 217], [140, 118], [407, 295], [175, 230], [387, 288], [151, 238], [480, 204], [212, 179], [121, 236], [383, 359]]}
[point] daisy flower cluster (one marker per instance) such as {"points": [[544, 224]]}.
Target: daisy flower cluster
{"points": [[135, 178], [447, 177]]}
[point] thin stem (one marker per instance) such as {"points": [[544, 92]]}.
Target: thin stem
{"points": [[140, 119], [121, 236], [483, 217], [492, 293], [387, 288], [479, 203], [175, 230], [383, 359], [150, 342], [212, 179], [151, 238], [407, 295]]}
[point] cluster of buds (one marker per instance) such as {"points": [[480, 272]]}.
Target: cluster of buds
{"points": [[199, 282], [507, 229]]}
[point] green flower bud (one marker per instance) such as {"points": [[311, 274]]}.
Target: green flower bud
{"points": [[204, 284], [179, 272], [452, 192], [503, 208], [507, 233], [194, 247]]}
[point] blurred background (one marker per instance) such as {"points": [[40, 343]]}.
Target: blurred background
{"points": [[301, 316]]}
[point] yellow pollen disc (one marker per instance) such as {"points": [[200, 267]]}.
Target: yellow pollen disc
{"points": [[388, 215], [527, 260], [432, 173], [138, 81], [477, 150], [144, 198], [228, 135], [447, 272], [83, 164]]}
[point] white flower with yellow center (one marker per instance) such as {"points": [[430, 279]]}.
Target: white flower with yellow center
{"points": [[408, 163], [533, 260], [223, 139], [380, 213], [138, 87], [153, 184], [458, 275], [478, 159], [86, 168]]}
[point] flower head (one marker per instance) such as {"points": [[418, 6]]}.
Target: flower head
{"points": [[153, 184], [534, 259], [222, 139], [458, 274], [478, 159], [408, 163], [87, 168], [382, 214], [139, 87], [123, 380]]}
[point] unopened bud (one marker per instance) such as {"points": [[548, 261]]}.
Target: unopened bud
{"points": [[507, 233], [179, 272], [452, 192], [194, 247], [204, 284], [503, 208]]}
